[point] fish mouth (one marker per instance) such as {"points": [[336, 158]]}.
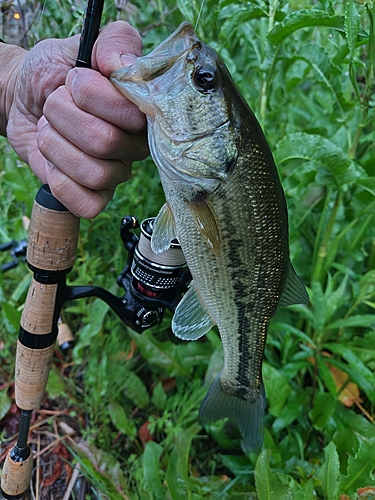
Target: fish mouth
{"points": [[132, 81]]}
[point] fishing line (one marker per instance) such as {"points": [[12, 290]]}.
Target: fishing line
{"points": [[199, 15]]}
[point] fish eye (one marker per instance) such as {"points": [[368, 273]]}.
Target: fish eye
{"points": [[205, 78]]}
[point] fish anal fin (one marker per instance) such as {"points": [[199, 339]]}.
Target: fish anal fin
{"points": [[294, 291], [247, 413], [163, 230], [206, 223], [191, 320]]}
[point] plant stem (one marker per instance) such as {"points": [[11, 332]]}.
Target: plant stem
{"points": [[366, 96], [267, 78], [322, 252]]}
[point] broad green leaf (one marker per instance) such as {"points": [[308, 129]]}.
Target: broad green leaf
{"points": [[325, 374], [303, 19], [178, 486], [329, 472], [277, 389], [21, 288], [55, 385], [120, 420], [368, 184], [135, 389], [159, 397], [360, 470], [269, 486], [293, 330], [177, 473], [321, 151], [365, 383], [236, 15], [12, 316], [162, 354], [5, 403], [361, 320], [364, 347], [151, 469], [324, 406], [189, 9], [358, 424]]}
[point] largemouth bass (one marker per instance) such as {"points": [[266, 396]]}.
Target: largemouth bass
{"points": [[226, 206]]}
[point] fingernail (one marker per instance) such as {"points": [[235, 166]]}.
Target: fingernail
{"points": [[70, 77], [127, 59]]}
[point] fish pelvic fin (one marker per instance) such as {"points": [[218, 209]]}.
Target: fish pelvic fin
{"points": [[294, 291], [247, 413]]}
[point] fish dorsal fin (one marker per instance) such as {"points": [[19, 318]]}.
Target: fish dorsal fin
{"points": [[294, 291], [206, 223], [191, 320], [163, 231]]}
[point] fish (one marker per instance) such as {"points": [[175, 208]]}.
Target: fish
{"points": [[226, 206]]}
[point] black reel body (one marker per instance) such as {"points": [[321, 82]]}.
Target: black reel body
{"points": [[152, 282]]}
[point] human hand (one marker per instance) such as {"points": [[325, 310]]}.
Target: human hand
{"points": [[73, 128]]}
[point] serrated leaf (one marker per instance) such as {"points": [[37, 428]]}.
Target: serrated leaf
{"points": [[329, 472], [151, 469], [303, 19], [360, 469], [236, 15], [321, 151], [268, 484]]}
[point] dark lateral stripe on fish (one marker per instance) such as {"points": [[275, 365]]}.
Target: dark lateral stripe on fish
{"points": [[239, 287]]}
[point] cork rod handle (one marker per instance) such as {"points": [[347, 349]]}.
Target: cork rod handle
{"points": [[53, 237]]}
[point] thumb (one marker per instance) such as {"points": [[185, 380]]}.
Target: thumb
{"points": [[117, 46]]}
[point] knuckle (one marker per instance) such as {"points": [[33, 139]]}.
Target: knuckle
{"points": [[44, 141]]}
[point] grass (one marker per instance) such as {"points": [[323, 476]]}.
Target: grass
{"points": [[307, 71]]}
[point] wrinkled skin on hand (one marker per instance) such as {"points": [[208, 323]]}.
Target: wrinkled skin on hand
{"points": [[73, 128]]}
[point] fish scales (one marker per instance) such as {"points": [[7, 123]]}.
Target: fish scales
{"points": [[225, 204]]}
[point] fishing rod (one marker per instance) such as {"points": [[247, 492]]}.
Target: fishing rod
{"points": [[51, 252], [152, 283]]}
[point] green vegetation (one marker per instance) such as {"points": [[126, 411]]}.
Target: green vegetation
{"points": [[307, 71]]}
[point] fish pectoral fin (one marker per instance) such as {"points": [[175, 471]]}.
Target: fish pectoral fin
{"points": [[163, 231], [191, 320], [294, 291], [206, 223]]}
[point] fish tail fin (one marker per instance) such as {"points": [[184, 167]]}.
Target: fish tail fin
{"points": [[248, 414]]}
